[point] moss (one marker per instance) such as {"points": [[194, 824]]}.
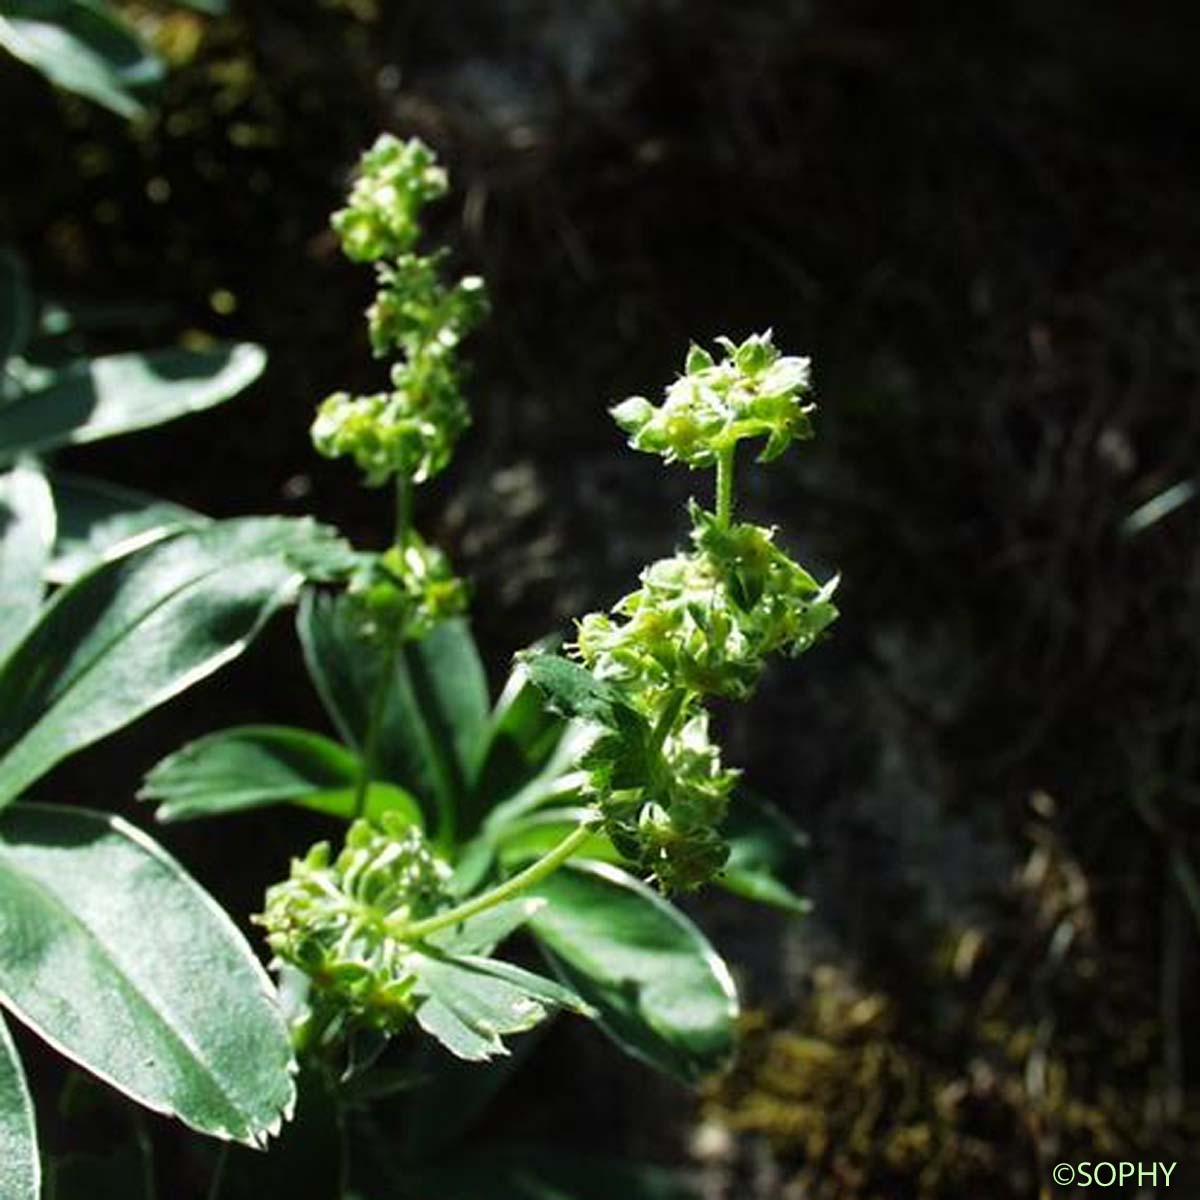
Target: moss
{"points": [[998, 1063]]}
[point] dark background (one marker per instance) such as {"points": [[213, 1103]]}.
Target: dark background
{"points": [[983, 223]]}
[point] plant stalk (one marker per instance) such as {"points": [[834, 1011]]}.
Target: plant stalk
{"points": [[521, 882], [403, 509], [725, 462]]}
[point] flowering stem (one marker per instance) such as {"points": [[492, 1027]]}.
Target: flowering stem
{"points": [[403, 508], [521, 882], [725, 485]]}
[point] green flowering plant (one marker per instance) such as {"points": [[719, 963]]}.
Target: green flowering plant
{"points": [[702, 624], [555, 822]]}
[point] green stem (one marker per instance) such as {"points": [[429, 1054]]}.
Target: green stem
{"points": [[521, 882], [366, 767], [725, 486], [403, 509]]}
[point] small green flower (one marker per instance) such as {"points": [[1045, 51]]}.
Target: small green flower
{"points": [[404, 593], [342, 922], [409, 430], [706, 621], [753, 391], [662, 810], [702, 624], [395, 181]]}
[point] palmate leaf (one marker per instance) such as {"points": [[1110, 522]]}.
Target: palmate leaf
{"points": [[110, 952], [138, 630], [26, 535], [20, 1170], [102, 397], [256, 765], [435, 711], [81, 46], [470, 1003], [95, 516], [575, 692], [662, 993]]}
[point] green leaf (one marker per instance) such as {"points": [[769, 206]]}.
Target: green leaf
{"points": [[556, 782], [16, 307], [256, 765], [535, 835], [521, 737], [482, 933], [662, 992], [765, 849], [80, 46], [118, 959], [99, 398], [214, 8], [20, 1169], [26, 535], [95, 516], [508, 1172], [573, 691], [135, 632], [470, 1003], [435, 708]]}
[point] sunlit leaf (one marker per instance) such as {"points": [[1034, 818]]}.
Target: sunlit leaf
{"points": [[20, 1172], [110, 952], [99, 398], [135, 632], [95, 516], [256, 765], [471, 1003], [81, 46], [662, 992]]}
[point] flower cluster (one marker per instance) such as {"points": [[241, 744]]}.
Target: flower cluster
{"points": [[396, 180], [702, 624], [753, 391], [342, 922], [705, 621], [404, 593], [408, 430]]}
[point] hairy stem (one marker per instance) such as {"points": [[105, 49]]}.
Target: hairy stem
{"points": [[725, 486], [521, 882]]}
